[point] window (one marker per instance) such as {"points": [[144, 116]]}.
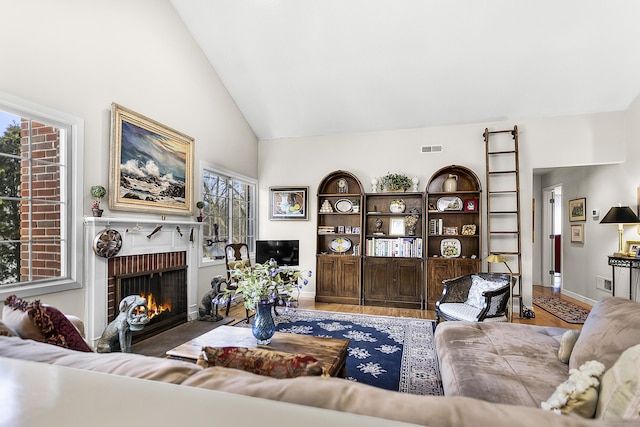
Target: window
{"points": [[228, 215], [39, 201]]}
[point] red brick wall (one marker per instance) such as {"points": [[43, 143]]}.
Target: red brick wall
{"points": [[45, 217]]}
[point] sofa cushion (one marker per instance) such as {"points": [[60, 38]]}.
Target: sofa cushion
{"points": [[579, 393], [348, 396], [41, 322], [500, 362], [275, 364], [126, 364], [612, 326], [6, 331], [567, 342], [619, 390]]}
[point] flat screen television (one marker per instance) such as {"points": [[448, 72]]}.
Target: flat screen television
{"points": [[284, 252]]}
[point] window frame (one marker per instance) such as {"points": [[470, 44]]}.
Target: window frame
{"points": [[205, 166], [73, 225]]}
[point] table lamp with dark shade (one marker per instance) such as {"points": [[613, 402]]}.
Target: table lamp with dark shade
{"points": [[620, 215]]}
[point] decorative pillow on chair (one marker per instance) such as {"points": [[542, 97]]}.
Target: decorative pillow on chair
{"points": [[579, 394], [269, 363], [478, 287], [39, 322]]}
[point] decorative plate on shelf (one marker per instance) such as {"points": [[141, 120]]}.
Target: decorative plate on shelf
{"points": [[450, 248], [449, 204], [340, 245], [344, 205]]}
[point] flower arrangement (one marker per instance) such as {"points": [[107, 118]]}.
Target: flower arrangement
{"points": [[266, 282], [395, 182], [411, 220]]}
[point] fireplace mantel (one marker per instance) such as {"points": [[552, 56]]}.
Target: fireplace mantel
{"points": [[135, 241]]}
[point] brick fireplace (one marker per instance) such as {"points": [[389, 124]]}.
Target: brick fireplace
{"points": [[144, 260], [160, 277]]}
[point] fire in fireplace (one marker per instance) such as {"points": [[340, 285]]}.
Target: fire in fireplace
{"points": [[163, 283]]}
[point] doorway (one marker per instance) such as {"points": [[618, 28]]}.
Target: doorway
{"points": [[552, 229]]}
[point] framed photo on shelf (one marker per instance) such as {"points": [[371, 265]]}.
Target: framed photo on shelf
{"points": [[355, 230], [288, 203], [578, 209], [577, 233], [396, 226], [632, 246], [470, 205], [151, 165], [450, 231], [341, 229]]}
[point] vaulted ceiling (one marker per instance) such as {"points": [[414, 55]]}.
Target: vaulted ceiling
{"points": [[317, 67]]}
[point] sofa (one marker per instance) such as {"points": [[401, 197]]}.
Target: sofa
{"points": [[523, 365], [461, 406]]}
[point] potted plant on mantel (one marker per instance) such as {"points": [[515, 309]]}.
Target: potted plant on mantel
{"points": [[200, 206], [97, 192], [395, 182]]}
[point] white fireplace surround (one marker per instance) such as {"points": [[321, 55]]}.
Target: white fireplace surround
{"points": [[135, 242]]}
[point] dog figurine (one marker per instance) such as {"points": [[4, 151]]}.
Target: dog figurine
{"points": [[207, 310], [133, 317]]}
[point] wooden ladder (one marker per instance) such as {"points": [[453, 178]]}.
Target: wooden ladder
{"points": [[503, 206]]}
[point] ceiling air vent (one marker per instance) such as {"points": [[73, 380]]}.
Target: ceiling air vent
{"points": [[431, 149]]}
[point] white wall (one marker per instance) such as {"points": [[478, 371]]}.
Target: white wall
{"points": [[560, 141], [79, 56]]}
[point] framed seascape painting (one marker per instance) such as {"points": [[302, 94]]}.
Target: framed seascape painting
{"points": [[151, 165], [288, 203]]}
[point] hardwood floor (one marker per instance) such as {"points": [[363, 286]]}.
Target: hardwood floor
{"points": [[542, 317]]}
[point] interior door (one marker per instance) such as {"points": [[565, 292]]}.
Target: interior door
{"points": [[552, 226]]}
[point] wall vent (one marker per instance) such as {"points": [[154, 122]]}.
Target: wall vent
{"points": [[604, 284], [431, 149]]}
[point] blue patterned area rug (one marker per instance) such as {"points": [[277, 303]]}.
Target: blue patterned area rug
{"points": [[394, 353]]}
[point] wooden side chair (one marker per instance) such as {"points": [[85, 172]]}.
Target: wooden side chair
{"points": [[477, 297]]}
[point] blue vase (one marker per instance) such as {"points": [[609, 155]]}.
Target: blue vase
{"points": [[263, 326]]}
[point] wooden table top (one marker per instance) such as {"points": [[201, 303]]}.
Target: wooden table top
{"points": [[331, 352]]}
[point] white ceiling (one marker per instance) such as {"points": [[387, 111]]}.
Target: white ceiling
{"points": [[318, 67]]}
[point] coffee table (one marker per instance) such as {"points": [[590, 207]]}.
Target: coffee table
{"points": [[331, 352]]}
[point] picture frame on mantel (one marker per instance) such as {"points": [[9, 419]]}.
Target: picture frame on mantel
{"points": [[288, 203], [151, 165], [578, 209]]}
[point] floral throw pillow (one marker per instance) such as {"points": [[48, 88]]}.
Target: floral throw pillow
{"points": [[43, 323], [478, 287], [269, 363]]}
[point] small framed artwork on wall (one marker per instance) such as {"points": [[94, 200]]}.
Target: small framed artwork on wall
{"points": [[578, 209], [577, 233], [288, 203]]}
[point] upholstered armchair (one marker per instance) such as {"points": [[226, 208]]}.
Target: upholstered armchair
{"points": [[477, 297]]}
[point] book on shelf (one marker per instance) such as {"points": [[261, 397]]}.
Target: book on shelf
{"points": [[407, 247]]}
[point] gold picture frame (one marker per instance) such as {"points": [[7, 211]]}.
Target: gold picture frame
{"points": [[632, 247], [151, 165], [578, 209]]}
